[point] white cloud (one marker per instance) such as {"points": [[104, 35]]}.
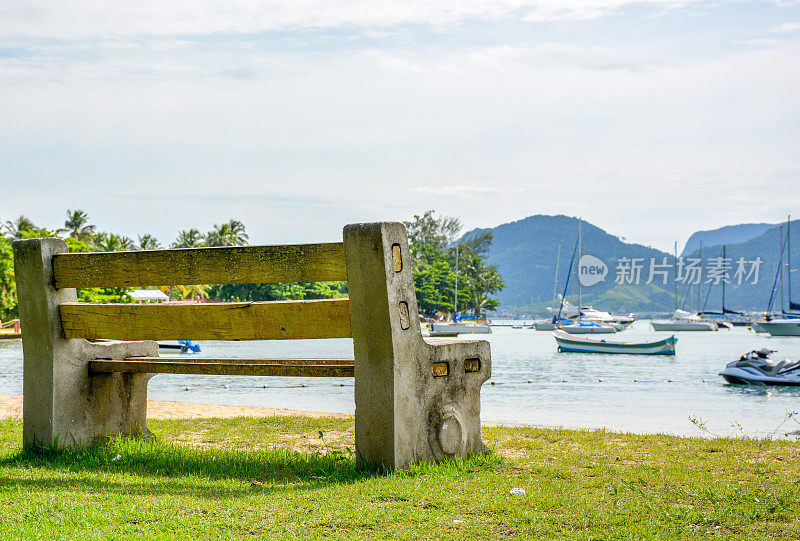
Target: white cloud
{"points": [[297, 141], [786, 28], [487, 133], [551, 10], [73, 19], [455, 190]]}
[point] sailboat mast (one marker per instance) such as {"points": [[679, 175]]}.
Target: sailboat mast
{"points": [[701, 279], [455, 303], [675, 265], [580, 256], [555, 277], [723, 283], [781, 269], [789, 258]]}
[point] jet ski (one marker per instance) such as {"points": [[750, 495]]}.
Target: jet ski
{"points": [[756, 368]]}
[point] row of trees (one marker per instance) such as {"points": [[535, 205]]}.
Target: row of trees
{"points": [[78, 229], [437, 261], [83, 236]]}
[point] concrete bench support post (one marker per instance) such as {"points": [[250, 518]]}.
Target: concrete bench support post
{"points": [[416, 399], [63, 404]]}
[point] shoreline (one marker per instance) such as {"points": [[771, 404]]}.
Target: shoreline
{"points": [[11, 408]]}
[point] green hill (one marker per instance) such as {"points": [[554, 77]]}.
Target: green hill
{"points": [[525, 252], [730, 234], [748, 296]]}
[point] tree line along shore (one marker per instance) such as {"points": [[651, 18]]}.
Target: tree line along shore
{"points": [[441, 265]]}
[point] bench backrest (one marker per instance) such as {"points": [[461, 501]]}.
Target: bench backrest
{"points": [[205, 321]]}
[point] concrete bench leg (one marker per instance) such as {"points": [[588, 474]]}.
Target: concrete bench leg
{"points": [[416, 400], [63, 404]]}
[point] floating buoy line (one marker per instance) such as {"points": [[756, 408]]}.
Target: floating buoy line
{"points": [[493, 383]]}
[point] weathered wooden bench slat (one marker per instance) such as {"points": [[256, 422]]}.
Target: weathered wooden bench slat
{"points": [[278, 320], [234, 367], [235, 360], [187, 266]]}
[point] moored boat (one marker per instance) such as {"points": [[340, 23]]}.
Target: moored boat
{"points": [[567, 342], [550, 324], [756, 326], [587, 327], [455, 328], [544, 325], [682, 320], [621, 322], [789, 323], [781, 327]]}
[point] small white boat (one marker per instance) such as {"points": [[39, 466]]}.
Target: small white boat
{"points": [[621, 322], [441, 334], [567, 342], [587, 327], [590, 314], [682, 320], [781, 327], [452, 329], [551, 324]]}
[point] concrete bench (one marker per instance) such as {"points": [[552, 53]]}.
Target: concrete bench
{"points": [[416, 399]]}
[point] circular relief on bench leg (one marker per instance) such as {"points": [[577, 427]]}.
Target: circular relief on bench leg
{"points": [[447, 435], [451, 435]]}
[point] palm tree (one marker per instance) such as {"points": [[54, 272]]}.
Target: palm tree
{"points": [[217, 236], [77, 225], [188, 239], [98, 239], [231, 233], [116, 243], [148, 242], [17, 228], [195, 292], [237, 234], [180, 290]]}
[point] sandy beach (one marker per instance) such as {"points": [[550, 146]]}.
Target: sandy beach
{"points": [[11, 406]]}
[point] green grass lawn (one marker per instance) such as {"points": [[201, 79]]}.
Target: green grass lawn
{"points": [[292, 477]]}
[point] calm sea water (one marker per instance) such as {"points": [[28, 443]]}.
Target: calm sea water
{"points": [[533, 383]]}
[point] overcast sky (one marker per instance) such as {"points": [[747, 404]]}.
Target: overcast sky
{"points": [[650, 119]]}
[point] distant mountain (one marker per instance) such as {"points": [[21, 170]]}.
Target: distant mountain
{"points": [[749, 296], [730, 234], [525, 253]]}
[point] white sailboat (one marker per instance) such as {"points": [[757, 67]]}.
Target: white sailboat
{"points": [[790, 324], [548, 324], [458, 326], [619, 322], [587, 327], [682, 320], [581, 324], [583, 320], [781, 327], [588, 314]]}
